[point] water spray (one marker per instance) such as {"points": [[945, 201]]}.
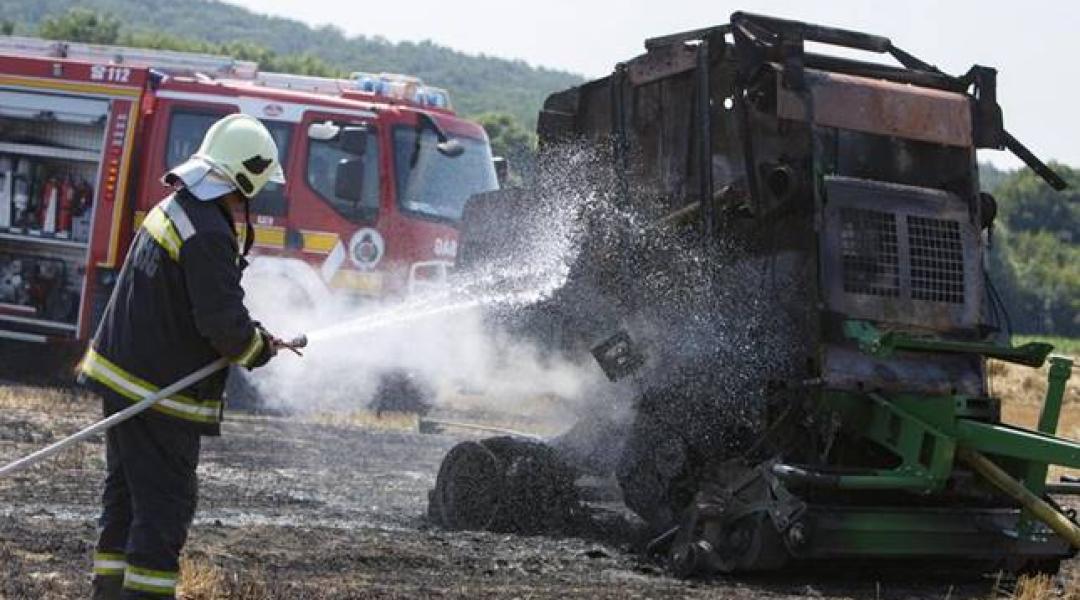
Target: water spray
{"points": [[380, 320], [511, 285]]}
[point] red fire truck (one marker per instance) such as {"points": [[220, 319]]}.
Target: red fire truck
{"points": [[378, 169]]}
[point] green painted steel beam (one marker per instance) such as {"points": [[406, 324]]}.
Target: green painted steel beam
{"points": [[1035, 477], [876, 343], [1014, 442], [1060, 370], [887, 480], [896, 532], [912, 432]]}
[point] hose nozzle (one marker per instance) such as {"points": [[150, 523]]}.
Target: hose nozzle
{"points": [[295, 344], [299, 341]]}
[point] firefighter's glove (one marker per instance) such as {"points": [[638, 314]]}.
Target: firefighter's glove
{"points": [[267, 348]]}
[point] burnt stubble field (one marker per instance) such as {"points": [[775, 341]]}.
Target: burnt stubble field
{"points": [[335, 508]]}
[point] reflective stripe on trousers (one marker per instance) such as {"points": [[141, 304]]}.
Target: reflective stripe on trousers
{"points": [[109, 564], [150, 581]]}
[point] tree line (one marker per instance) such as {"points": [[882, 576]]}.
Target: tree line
{"points": [[511, 137], [1035, 250], [478, 83]]}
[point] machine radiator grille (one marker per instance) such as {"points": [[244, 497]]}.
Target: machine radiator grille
{"points": [[869, 252], [937, 260], [900, 254]]}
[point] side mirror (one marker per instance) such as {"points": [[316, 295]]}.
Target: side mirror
{"points": [[502, 170], [323, 132], [446, 145], [354, 140], [349, 179], [451, 148]]}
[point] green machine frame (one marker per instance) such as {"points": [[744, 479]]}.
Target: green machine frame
{"points": [[928, 435]]}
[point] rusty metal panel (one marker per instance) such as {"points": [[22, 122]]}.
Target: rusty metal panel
{"points": [[882, 107], [662, 62], [848, 368]]}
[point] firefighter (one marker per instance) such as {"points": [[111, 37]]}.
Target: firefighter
{"points": [[176, 307]]}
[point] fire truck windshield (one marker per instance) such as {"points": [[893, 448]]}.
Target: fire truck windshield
{"points": [[434, 184]]}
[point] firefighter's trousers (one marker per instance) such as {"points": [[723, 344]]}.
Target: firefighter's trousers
{"points": [[148, 504]]}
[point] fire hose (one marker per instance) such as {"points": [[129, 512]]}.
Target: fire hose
{"points": [[129, 412]]}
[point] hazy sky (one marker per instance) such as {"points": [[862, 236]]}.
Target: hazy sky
{"points": [[1035, 44]]}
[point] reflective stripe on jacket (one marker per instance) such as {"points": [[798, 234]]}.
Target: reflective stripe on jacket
{"points": [[176, 307], [131, 387]]}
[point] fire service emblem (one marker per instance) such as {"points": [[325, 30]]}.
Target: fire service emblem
{"points": [[366, 248]]}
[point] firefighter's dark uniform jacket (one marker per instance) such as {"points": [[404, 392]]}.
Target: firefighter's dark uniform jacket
{"points": [[177, 307]]}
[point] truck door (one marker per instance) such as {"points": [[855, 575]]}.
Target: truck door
{"points": [[338, 184]]}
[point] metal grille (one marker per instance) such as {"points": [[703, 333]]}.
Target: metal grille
{"points": [[869, 250], [937, 260]]}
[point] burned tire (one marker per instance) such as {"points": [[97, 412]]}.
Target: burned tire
{"points": [[538, 491], [468, 488], [503, 484]]}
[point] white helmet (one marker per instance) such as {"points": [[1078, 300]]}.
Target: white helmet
{"points": [[237, 148]]}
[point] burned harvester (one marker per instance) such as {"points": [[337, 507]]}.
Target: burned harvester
{"points": [[851, 188]]}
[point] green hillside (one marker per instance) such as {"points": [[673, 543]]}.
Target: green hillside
{"points": [[477, 83]]}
